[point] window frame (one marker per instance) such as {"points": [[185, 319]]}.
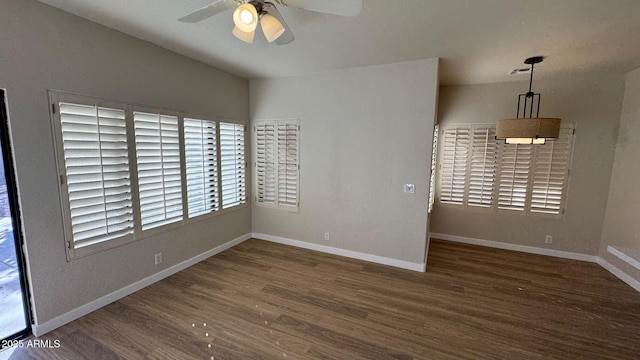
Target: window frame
{"points": [[72, 253], [244, 202], [276, 204], [213, 212], [143, 233], [568, 127]]}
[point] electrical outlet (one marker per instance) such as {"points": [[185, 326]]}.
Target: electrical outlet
{"points": [[158, 259], [326, 236], [548, 239]]}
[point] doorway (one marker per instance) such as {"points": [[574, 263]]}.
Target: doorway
{"points": [[14, 305]]}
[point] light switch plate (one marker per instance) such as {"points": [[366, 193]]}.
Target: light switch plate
{"points": [[410, 188]]}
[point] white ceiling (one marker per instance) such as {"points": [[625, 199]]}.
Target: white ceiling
{"points": [[478, 41]]}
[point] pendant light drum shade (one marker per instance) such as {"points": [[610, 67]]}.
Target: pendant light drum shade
{"points": [[245, 17], [531, 128], [271, 27], [528, 127]]}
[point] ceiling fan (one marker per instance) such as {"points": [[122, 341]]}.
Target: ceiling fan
{"points": [[248, 13]]}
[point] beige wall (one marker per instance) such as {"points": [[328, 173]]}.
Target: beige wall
{"points": [[593, 103], [622, 221], [364, 133], [44, 48]]}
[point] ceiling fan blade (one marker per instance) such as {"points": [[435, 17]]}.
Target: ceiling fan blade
{"points": [[335, 7], [287, 35], [208, 11]]}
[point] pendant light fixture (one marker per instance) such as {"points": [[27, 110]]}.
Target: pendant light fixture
{"points": [[246, 17], [527, 128]]}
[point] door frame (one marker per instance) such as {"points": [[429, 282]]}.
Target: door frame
{"points": [[14, 206]]}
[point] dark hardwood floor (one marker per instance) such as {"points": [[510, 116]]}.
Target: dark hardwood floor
{"points": [[261, 300]]}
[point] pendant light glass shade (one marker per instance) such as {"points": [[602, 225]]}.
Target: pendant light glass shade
{"points": [[271, 27], [244, 36], [245, 17]]}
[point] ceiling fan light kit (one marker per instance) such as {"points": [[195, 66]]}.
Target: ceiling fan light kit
{"points": [[244, 36], [525, 128], [245, 17], [248, 13], [272, 28]]}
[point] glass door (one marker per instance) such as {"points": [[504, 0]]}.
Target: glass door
{"points": [[14, 314]]}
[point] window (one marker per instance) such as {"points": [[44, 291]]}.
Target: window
{"points": [[126, 173], [159, 178], [550, 174], [482, 167], [96, 181], [432, 177], [477, 170], [276, 163], [201, 158], [514, 176], [453, 171], [232, 165]]}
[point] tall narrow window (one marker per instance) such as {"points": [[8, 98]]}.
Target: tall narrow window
{"points": [[232, 164], [265, 162], [96, 166], [277, 165], [514, 176], [432, 177], [201, 158], [159, 178], [482, 169], [453, 168], [550, 173], [288, 163]]}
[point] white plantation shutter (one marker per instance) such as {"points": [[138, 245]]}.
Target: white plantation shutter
{"points": [[201, 166], [453, 170], [482, 167], [288, 163], [514, 176], [157, 140], [232, 164], [265, 162], [477, 170], [432, 177], [550, 173], [96, 164], [276, 163]]}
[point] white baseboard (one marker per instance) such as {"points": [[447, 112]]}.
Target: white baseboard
{"points": [[619, 274], [521, 248], [626, 255], [342, 252], [41, 329]]}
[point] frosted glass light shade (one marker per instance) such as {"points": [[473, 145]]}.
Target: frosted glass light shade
{"points": [[244, 36], [271, 27], [245, 17], [534, 141]]}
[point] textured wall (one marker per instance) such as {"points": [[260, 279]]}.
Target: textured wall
{"points": [[364, 133], [622, 222], [44, 48], [592, 102]]}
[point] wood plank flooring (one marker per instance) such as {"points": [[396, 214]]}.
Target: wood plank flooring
{"points": [[261, 300]]}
